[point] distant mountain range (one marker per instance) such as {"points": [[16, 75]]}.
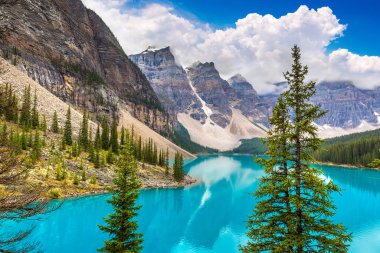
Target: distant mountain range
{"points": [[219, 113]]}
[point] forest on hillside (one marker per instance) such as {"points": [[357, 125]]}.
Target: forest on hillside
{"points": [[358, 149]]}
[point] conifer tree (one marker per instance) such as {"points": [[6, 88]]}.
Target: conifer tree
{"points": [[178, 167], [25, 118], [122, 137], [295, 204], [83, 132], [114, 139], [55, 125], [67, 132], [36, 151], [121, 225], [105, 134], [44, 125], [98, 140], [35, 116]]}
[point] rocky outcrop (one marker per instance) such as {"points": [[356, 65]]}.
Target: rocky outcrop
{"points": [[169, 81], [69, 50], [347, 106], [213, 90], [248, 102]]}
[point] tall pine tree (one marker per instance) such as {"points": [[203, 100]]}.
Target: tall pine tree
{"points": [[295, 204], [83, 132], [34, 116], [122, 225], [105, 134], [55, 125], [114, 138], [25, 117], [67, 132]]}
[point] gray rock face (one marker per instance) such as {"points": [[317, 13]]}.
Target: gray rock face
{"points": [[69, 50], [216, 92], [169, 81], [248, 102], [346, 105]]}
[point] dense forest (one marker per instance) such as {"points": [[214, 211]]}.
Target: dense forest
{"points": [[358, 149]]}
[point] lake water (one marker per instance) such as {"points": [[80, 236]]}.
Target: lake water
{"points": [[210, 217]]}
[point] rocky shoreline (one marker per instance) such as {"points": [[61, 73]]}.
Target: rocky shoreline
{"points": [[187, 182]]}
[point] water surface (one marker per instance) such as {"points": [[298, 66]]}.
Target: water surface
{"points": [[210, 217]]}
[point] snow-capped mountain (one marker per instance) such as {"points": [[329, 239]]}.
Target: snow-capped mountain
{"points": [[204, 103], [219, 113]]}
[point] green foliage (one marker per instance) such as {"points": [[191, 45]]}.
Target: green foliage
{"points": [[75, 179], [105, 134], [55, 125], [255, 146], [294, 208], [44, 125], [181, 137], [109, 157], [93, 179], [114, 142], [67, 132], [8, 103], [98, 140], [34, 116], [178, 173], [358, 149], [25, 117], [83, 132], [122, 225], [84, 173], [36, 151], [89, 76]]}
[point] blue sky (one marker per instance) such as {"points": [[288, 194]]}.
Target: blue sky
{"points": [[339, 39], [362, 16]]}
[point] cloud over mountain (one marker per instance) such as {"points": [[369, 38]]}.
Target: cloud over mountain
{"points": [[258, 46]]}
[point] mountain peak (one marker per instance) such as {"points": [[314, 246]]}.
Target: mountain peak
{"points": [[239, 83], [155, 49]]}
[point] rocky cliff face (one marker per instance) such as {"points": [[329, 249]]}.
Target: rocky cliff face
{"points": [[69, 50], [213, 90], [248, 102], [347, 106], [169, 81]]}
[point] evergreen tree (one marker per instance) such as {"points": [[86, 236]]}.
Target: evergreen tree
{"points": [[25, 118], [178, 167], [55, 125], [44, 125], [83, 133], [105, 134], [121, 225], [114, 139], [36, 151], [98, 140], [122, 137], [67, 132], [35, 116], [295, 207], [24, 140]]}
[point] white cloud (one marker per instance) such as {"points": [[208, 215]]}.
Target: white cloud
{"points": [[258, 46]]}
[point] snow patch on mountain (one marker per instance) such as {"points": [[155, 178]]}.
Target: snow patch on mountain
{"points": [[326, 131], [223, 139]]}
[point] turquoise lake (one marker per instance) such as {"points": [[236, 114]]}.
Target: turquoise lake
{"points": [[209, 217]]}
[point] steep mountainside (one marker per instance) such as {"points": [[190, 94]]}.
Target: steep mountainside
{"points": [[214, 112], [349, 109], [169, 81], [70, 51], [48, 103]]}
